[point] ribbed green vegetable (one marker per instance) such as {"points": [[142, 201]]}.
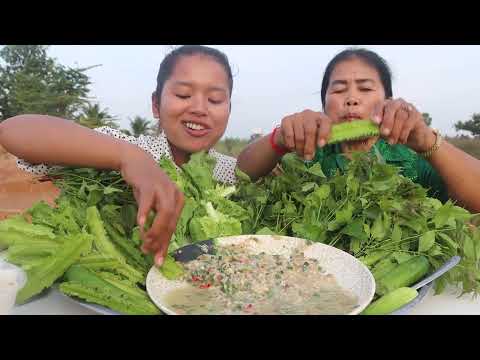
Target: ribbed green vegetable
{"points": [[124, 285], [44, 274], [101, 241], [130, 251], [87, 285], [99, 262], [353, 130]]}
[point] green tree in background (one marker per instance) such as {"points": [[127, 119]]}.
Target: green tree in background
{"points": [[229, 143], [93, 116], [231, 146], [427, 118], [472, 125], [156, 127], [140, 126], [33, 82]]}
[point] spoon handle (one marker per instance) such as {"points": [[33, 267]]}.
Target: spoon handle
{"points": [[440, 271]]}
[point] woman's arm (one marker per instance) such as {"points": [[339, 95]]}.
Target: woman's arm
{"points": [[401, 122], [301, 132], [46, 139], [258, 158], [51, 140], [461, 174]]}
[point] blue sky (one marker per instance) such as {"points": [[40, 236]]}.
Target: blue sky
{"points": [[274, 81]]}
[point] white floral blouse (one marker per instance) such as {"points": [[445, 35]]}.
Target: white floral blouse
{"points": [[157, 146]]}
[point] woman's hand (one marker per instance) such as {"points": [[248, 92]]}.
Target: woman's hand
{"points": [[153, 190], [401, 123], [303, 132]]}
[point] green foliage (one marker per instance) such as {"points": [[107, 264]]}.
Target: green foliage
{"points": [[427, 118], [369, 210], [32, 82], [472, 125], [231, 146], [140, 126], [93, 116]]}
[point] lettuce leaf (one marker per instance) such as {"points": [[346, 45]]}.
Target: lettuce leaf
{"points": [[214, 224]]}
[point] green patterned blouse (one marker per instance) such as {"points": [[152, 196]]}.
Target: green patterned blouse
{"points": [[412, 165]]}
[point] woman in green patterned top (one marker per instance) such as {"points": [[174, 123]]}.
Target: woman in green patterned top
{"points": [[357, 85]]}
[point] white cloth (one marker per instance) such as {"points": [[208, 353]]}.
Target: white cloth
{"points": [[157, 146]]}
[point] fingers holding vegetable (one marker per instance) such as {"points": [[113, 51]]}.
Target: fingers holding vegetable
{"points": [[168, 205], [299, 135], [401, 123], [311, 126], [324, 129], [304, 131], [286, 136], [159, 201], [145, 200]]}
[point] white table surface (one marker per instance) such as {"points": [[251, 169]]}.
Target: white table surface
{"points": [[53, 303], [448, 303]]}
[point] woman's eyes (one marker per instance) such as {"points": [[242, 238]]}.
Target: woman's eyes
{"points": [[213, 101], [339, 91], [184, 97]]}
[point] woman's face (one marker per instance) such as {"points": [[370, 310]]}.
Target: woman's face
{"points": [[353, 91], [195, 104]]}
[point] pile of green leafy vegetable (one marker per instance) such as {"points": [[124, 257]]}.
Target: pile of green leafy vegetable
{"points": [[370, 211], [89, 242], [208, 212], [78, 247]]}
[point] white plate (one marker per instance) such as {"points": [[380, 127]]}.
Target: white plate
{"points": [[348, 271]]}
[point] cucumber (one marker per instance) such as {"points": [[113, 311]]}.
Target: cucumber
{"points": [[383, 267], [404, 274], [390, 302], [371, 259]]}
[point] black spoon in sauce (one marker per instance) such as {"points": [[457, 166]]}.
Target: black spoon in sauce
{"points": [[192, 251]]}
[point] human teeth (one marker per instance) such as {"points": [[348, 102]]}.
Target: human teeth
{"points": [[194, 126]]}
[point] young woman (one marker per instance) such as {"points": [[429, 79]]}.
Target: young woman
{"points": [[192, 104], [357, 85]]}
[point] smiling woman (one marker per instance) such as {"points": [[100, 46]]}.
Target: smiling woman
{"points": [[192, 104], [192, 101]]}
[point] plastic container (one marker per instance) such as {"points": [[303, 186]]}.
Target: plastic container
{"points": [[12, 279]]}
